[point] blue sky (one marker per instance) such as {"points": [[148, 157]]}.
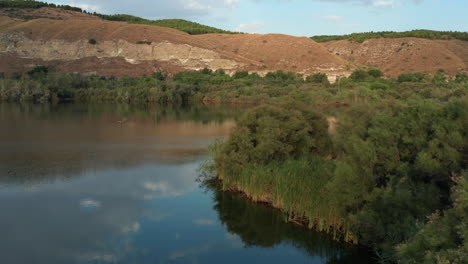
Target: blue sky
{"points": [[297, 17]]}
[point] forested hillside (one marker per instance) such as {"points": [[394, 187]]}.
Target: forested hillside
{"points": [[427, 34]]}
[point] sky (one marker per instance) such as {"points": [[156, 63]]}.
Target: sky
{"points": [[296, 17]]}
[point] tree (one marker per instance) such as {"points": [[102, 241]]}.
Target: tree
{"points": [[359, 76], [375, 72], [269, 133], [318, 78]]}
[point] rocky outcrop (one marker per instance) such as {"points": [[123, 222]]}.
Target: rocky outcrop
{"points": [[183, 55]]}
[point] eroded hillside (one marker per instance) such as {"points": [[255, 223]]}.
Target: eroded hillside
{"points": [[403, 55], [64, 39], [129, 49]]}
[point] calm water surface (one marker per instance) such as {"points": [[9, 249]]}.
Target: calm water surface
{"points": [[117, 184]]}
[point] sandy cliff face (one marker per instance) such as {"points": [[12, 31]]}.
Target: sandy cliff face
{"points": [[183, 55]]}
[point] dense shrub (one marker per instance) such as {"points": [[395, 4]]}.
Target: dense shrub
{"points": [[411, 77], [318, 78], [270, 133], [359, 76], [375, 72]]}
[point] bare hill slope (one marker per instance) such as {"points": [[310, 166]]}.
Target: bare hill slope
{"points": [[57, 38], [403, 55], [61, 39]]}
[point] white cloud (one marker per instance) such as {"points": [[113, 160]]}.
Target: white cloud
{"points": [[252, 27], [89, 203], [133, 228], [160, 189], [231, 3], [188, 9], [385, 3]]}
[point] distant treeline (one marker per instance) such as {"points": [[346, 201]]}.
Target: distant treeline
{"points": [[35, 4], [179, 24], [427, 34]]}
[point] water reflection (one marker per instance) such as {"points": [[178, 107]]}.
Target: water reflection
{"points": [[38, 142], [261, 226], [76, 186]]}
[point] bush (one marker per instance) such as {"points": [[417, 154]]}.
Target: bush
{"points": [[411, 77], [318, 78], [269, 133], [461, 77], [38, 70], [375, 72], [378, 86], [92, 41], [241, 74], [359, 76]]}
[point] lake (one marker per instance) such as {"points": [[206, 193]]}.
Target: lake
{"points": [[118, 184]]}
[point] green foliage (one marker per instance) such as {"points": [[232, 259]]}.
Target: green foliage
{"points": [[375, 72], [427, 34], [241, 74], [318, 78], [39, 71], [461, 77], [35, 4], [411, 77], [359, 76], [179, 24], [269, 133], [443, 239], [92, 41], [392, 160]]}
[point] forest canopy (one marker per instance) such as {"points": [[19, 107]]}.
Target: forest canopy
{"points": [[427, 34]]}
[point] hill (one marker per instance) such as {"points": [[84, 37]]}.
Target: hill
{"points": [[404, 55], [72, 41], [179, 24]]}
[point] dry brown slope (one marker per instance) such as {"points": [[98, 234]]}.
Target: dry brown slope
{"points": [[278, 51], [63, 42], [403, 55]]}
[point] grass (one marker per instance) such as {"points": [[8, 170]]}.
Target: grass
{"points": [[296, 186]]}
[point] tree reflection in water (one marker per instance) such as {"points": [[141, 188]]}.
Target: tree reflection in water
{"points": [[259, 225]]}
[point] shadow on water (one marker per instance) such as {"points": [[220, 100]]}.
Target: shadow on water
{"points": [[259, 225]]}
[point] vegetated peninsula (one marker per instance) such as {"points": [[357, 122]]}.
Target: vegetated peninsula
{"points": [[362, 136]]}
